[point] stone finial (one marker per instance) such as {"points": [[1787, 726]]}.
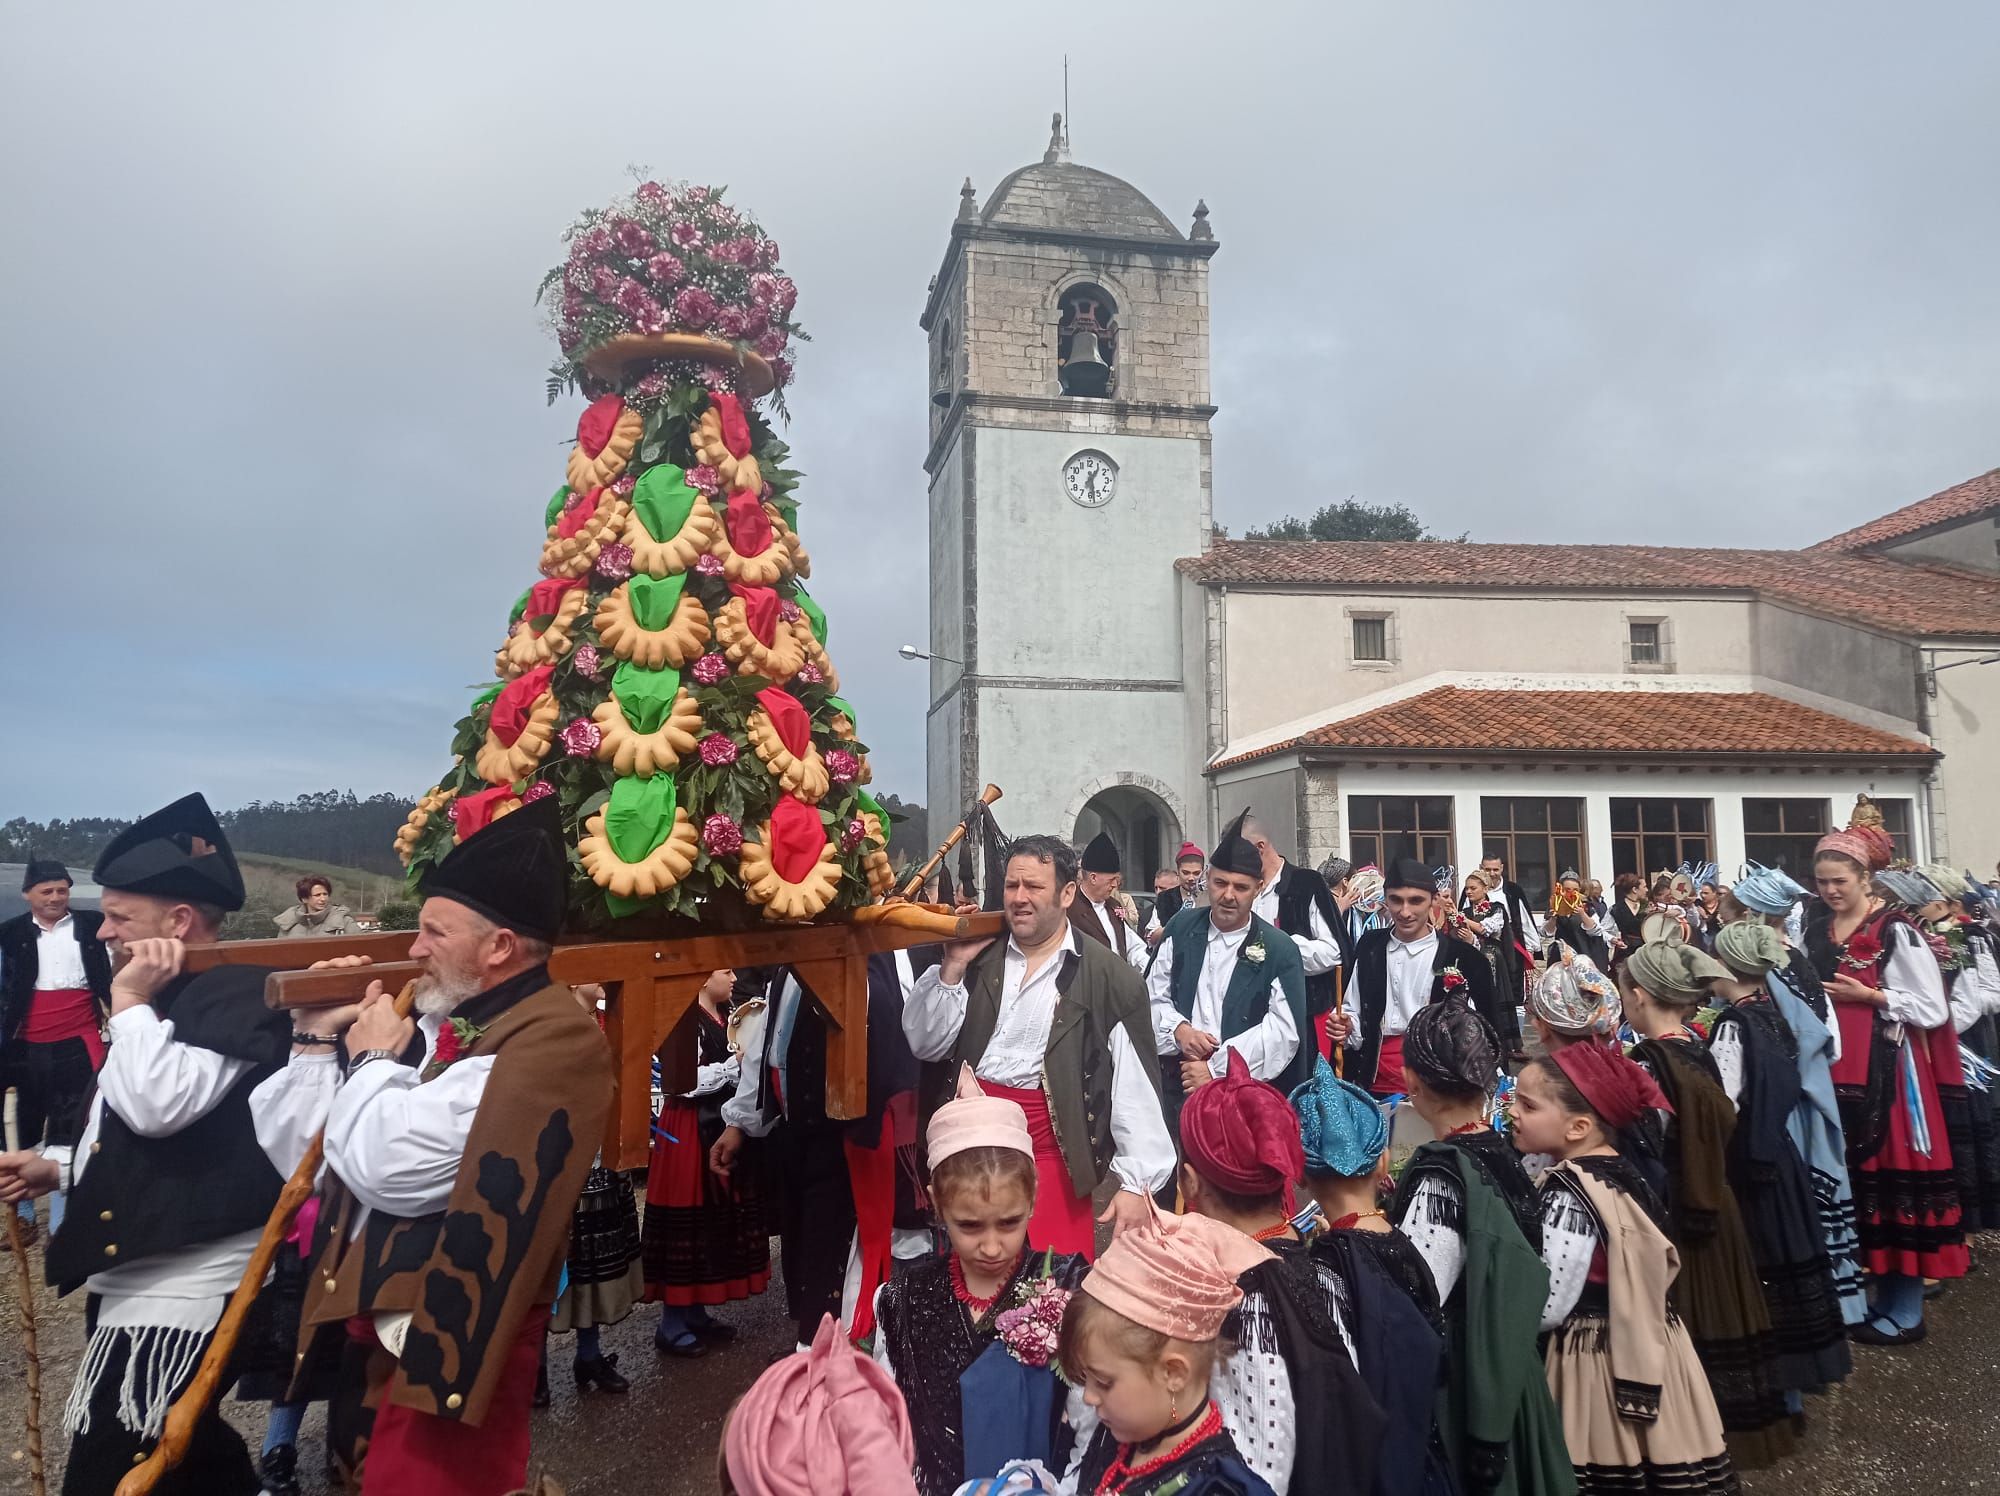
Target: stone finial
{"points": [[1058, 142], [968, 203], [1201, 232]]}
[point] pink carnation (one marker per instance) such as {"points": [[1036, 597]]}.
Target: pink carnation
{"points": [[541, 789], [684, 236], [756, 320], [772, 344], [784, 294], [767, 254], [721, 836], [586, 662], [624, 484], [790, 611], [730, 322], [717, 749], [736, 251], [614, 562], [781, 371], [604, 282], [694, 308], [632, 239], [594, 244], [651, 387], [705, 478], [581, 737], [710, 669], [842, 767], [654, 196], [855, 834], [709, 566], [811, 675], [666, 270]]}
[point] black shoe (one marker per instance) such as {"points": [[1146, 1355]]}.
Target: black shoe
{"points": [[688, 1346], [1933, 1287], [712, 1331], [280, 1469], [541, 1386], [1868, 1333], [601, 1373]]}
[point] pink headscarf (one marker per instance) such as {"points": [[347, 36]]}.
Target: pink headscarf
{"points": [[1868, 845], [1175, 1274], [823, 1422], [972, 1119]]}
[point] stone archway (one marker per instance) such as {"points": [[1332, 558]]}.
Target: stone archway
{"points": [[1136, 812]]}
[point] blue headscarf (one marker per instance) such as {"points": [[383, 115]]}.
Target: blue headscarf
{"points": [[1343, 1129], [1766, 890]]}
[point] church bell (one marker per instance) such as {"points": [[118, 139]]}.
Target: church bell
{"points": [[1085, 372]]}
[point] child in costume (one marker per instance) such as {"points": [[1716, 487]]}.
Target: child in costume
{"points": [[1290, 1395], [1142, 1338], [1637, 1412], [975, 1402], [1467, 1206], [826, 1420], [1720, 1294], [1393, 1317]]}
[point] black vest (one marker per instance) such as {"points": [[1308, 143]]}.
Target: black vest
{"points": [[1371, 972], [141, 1196], [21, 962], [1299, 889]]}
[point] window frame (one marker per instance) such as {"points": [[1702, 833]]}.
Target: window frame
{"points": [[1514, 836], [1391, 638], [1630, 846], [1663, 644], [1376, 833], [1777, 848]]}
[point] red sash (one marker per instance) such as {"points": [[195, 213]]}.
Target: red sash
{"points": [[65, 1013], [1063, 1220]]}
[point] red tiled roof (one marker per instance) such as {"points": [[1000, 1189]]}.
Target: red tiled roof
{"points": [[1967, 500], [1679, 724], [1899, 596]]}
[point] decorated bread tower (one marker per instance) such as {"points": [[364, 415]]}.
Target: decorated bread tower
{"points": [[665, 674]]}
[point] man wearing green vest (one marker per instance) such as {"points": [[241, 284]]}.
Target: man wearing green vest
{"points": [[1222, 979]]}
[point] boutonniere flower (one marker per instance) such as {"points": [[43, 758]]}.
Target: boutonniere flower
{"points": [[1032, 1329], [1254, 953], [1861, 952], [1453, 978], [457, 1036]]}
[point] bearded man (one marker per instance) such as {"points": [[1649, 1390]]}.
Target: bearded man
{"points": [[456, 1147], [169, 1186]]}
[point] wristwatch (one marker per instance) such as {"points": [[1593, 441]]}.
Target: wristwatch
{"points": [[370, 1054]]}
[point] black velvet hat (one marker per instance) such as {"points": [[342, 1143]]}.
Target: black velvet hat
{"points": [[1101, 856], [1407, 872], [175, 853], [1235, 853], [44, 870], [512, 870]]}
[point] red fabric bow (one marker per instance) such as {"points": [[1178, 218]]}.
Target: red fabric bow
{"points": [[512, 706], [1618, 1088], [595, 425], [796, 837], [1243, 1136], [735, 425], [475, 812], [760, 609], [544, 598], [788, 719], [581, 514], [749, 525]]}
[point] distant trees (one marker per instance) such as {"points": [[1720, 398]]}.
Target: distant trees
{"points": [[334, 827], [1351, 520]]}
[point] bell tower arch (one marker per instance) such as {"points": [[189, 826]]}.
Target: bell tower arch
{"points": [[1069, 468]]}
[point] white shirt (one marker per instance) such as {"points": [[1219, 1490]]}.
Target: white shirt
{"points": [[1135, 953], [1912, 982], [58, 957], [1267, 1048], [1411, 977], [1318, 950], [1144, 1157]]}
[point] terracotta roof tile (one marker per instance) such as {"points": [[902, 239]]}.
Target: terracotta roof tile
{"points": [[1967, 500], [1680, 724], [1899, 596]]}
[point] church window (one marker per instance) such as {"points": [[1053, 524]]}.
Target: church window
{"points": [[1087, 342], [1539, 839], [1896, 821], [1783, 833], [1371, 639], [942, 357], [1648, 644], [1381, 828]]}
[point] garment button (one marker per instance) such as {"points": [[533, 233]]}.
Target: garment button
{"points": [[104, 1215], [111, 1249], [454, 1402], [96, 1147], [330, 1285]]}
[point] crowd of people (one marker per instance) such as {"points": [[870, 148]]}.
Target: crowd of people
{"points": [[1125, 1214]]}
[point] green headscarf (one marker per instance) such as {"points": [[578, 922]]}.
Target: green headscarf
{"points": [[1675, 972], [1750, 947]]}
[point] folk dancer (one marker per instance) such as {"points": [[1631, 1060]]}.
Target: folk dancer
{"points": [[1097, 913]]}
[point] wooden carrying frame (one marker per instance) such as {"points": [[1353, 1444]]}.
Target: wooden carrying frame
{"points": [[650, 988]]}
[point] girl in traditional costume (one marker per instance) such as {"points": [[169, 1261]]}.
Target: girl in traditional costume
{"points": [[1637, 1412], [1768, 896], [1142, 1338], [826, 1420], [979, 1393], [1965, 950], [1887, 995], [1756, 1056], [1290, 1395], [1393, 1316], [1467, 1206], [706, 1240]]}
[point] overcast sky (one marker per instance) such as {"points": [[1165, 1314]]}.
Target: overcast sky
{"points": [[271, 413]]}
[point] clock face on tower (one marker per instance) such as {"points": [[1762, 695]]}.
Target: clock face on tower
{"points": [[1091, 478]]}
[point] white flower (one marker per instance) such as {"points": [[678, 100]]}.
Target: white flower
{"points": [[1254, 953]]}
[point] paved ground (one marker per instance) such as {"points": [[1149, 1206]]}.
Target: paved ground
{"points": [[1910, 1422]]}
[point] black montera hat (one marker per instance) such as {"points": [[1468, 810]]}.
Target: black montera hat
{"points": [[175, 853], [1235, 853], [1101, 856], [44, 870], [512, 870], [1407, 872]]}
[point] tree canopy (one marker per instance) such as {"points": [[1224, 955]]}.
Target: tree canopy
{"points": [[1351, 520]]}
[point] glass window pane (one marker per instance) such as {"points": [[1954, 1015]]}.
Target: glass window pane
{"points": [[1531, 815], [1493, 813], [1625, 815], [1569, 855], [1434, 813], [1399, 814], [1624, 855], [1371, 638], [1760, 817], [1437, 852], [1566, 815], [1364, 813], [1361, 851], [1656, 815], [1694, 848], [1693, 814], [1805, 817]]}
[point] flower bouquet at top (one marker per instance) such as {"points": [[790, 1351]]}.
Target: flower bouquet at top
{"points": [[666, 676], [1011, 1393]]}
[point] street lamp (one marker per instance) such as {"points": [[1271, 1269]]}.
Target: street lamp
{"points": [[911, 652]]}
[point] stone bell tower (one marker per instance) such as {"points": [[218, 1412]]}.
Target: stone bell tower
{"points": [[1069, 469]]}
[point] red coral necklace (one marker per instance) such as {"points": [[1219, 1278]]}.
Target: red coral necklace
{"points": [[1122, 1473], [965, 1296]]}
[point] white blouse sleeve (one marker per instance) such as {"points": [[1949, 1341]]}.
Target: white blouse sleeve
{"points": [[1142, 1150], [881, 1350], [1569, 1242], [1268, 1047], [1319, 952], [1253, 1389], [288, 1108], [156, 1085], [933, 1014], [1435, 1225], [1912, 982], [1726, 1049], [1160, 1001], [395, 1142]]}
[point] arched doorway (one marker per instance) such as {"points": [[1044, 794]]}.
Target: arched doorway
{"points": [[1142, 825]]}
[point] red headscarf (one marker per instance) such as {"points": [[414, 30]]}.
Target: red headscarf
{"points": [[1242, 1135], [1617, 1087]]}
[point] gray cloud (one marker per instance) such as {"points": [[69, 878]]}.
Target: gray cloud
{"points": [[275, 445]]}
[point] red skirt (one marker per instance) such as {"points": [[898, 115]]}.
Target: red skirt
{"points": [[1905, 1201], [1063, 1220], [420, 1454], [703, 1241], [1388, 1068]]}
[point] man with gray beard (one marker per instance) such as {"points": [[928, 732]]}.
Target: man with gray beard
{"points": [[456, 1147]]}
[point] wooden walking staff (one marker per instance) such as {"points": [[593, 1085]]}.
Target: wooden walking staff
{"points": [[37, 1482], [916, 883], [207, 1382]]}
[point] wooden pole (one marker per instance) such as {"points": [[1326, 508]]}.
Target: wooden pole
{"points": [[207, 1381], [916, 883], [25, 1284]]}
